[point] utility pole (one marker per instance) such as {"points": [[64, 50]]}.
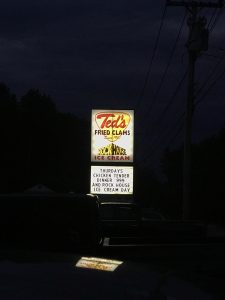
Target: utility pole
{"points": [[197, 42]]}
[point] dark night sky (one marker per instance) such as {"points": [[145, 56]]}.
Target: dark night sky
{"points": [[95, 54]]}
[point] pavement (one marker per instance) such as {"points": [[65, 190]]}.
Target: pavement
{"points": [[65, 281], [155, 271], [146, 273]]}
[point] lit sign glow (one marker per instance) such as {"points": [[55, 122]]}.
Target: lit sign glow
{"points": [[112, 135], [98, 263], [111, 180]]}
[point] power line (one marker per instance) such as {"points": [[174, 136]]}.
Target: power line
{"points": [[180, 126], [152, 59], [153, 102], [209, 88], [219, 13], [213, 26], [157, 140], [164, 76], [209, 77], [214, 56], [176, 130], [170, 102], [213, 71], [212, 17], [160, 119]]}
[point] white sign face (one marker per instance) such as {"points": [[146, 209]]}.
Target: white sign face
{"points": [[112, 136], [111, 180]]}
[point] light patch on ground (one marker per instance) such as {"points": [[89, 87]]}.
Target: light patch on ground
{"points": [[98, 263]]}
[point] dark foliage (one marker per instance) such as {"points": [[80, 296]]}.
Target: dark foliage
{"points": [[208, 178], [41, 145], [147, 188]]}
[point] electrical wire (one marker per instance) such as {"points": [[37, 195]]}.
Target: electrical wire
{"points": [[163, 79], [181, 124], [180, 120], [212, 17], [167, 66], [209, 77], [213, 71], [209, 88], [219, 14], [139, 101], [177, 129], [159, 138], [170, 102]]}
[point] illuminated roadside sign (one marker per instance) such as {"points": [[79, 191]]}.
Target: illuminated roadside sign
{"points": [[112, 136], [111, 180]]}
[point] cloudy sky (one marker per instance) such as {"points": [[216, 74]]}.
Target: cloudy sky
{"points": [[100, 54]]}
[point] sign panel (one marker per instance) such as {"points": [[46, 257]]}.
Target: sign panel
{"points": [[97, 263], [112, 136], [111, 180]]}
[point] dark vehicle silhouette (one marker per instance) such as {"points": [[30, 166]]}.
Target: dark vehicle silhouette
{"points": [[119, 219], [129, 223], [50, 220]]}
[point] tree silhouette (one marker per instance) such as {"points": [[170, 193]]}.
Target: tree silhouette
{"points": [[8, 129], [36, 103], [41, 145], [208, 177]]}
